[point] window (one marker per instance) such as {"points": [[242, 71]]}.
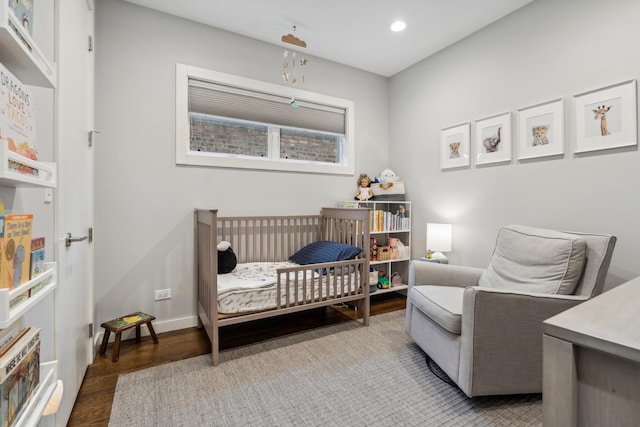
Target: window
{"points": [[230, 121]]}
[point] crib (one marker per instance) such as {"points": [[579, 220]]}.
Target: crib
{"points": [[271, 240]]}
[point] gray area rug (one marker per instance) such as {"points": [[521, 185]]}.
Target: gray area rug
{"points": [[344, 374]]}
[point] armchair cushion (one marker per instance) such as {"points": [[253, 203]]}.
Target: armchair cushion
{"points": [[535, 260], [442, 304]]}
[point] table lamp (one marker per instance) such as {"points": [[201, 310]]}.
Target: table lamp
{"points": [[438, 241]]}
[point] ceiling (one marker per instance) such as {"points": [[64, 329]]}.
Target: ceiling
{"points": [[351, 32]]}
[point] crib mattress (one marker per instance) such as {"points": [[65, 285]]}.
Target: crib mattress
{"points": [[253, 287]]}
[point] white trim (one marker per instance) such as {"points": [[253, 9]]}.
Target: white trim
{"points": [[185, 156]]}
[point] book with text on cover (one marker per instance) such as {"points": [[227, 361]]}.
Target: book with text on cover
{"points": [[16, 250], [37, 262], [17, 122], [19, 375], [9, 335]]}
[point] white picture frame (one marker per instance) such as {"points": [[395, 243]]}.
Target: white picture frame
{"points": [[455, 144], [606, 117], [541, 130], [493, 139]]}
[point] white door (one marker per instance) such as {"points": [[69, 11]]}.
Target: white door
{"points": [[74, 120]]}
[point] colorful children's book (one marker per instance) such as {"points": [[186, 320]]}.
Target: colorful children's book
{"points": [[19, 375], [9, 335], [23, 9], [16, 250], [37, 262], [17, 118]]}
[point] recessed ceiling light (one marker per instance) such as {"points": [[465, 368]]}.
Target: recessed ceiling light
{"points": [[398, 26]]}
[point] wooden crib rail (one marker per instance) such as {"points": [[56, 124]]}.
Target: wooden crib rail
{"points": [[338, 279], [268, 238], [347, 225]]}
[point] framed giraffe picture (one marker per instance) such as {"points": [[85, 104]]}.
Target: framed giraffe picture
{"points": [[454, 146], [541, 130], [606, 117]]}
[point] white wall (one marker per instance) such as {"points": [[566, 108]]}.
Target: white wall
{"points": [[547, 50], [144, 202]]}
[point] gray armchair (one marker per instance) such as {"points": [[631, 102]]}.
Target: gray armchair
{"points": [[483, 327]]}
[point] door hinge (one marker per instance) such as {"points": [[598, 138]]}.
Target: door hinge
{"points": [[91, 136], [90, 330], [90, 234], [90, 43]]}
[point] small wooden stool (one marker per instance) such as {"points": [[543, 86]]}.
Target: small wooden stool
{"points": [[122, 324]]}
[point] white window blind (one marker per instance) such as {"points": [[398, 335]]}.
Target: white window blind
{"points": [[237, 103]]}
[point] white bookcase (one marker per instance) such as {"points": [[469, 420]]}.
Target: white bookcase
{"points": [[389, 219], [20, 55]]}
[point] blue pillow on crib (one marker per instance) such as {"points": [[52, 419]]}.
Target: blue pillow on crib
{"points": [[324, 251]]}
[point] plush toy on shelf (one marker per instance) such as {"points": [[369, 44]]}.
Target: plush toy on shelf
{"points": [[387, 178], [227, 259], [364, 192]]}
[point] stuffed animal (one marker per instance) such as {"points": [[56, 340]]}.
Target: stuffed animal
{"points": [[227, 259], [364, 192], [387, 176]]}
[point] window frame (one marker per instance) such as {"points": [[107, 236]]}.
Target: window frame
{"points": [[184, 155]]}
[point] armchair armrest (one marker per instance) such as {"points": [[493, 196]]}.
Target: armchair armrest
{"points": [[501, 333], [430, 273]]}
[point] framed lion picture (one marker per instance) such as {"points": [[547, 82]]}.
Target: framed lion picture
{"points": [[454, 146]]}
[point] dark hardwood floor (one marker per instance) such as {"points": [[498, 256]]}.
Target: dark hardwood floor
{"points": [[93, 404]]}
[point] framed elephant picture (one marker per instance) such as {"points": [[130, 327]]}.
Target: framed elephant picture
{"points": [[493, 139]]}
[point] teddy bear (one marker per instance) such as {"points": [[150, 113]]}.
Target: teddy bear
{"points": [[364, 192]]}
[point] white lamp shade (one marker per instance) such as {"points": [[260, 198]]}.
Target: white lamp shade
{"points": [[439, 237]]}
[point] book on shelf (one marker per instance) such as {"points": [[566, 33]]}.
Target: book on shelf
{"points": [[373, 248], [19, 375], [350, 205], [16, 250], [17, 121], [9, 335], [23, 10], [37, 262], [380, 220]]}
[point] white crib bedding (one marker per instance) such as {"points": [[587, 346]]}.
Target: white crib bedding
{"points": [[252, 286]]}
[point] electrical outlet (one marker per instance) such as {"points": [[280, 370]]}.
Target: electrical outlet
{"points": [[163, 294]]}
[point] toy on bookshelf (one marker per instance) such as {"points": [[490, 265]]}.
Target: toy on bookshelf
{"points": [[19, 375], [16, 250], [37, 262]]}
